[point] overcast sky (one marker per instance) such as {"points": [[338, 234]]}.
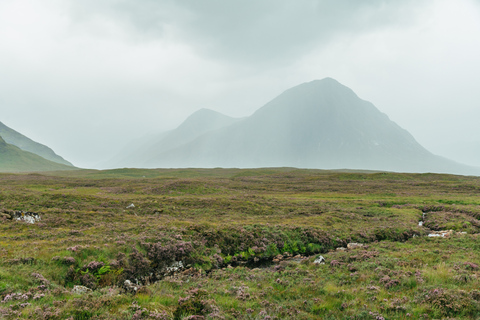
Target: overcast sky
{"points": [[85, 77]]}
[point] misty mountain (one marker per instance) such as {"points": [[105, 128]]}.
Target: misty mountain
{"points": [[464, 151], [320, 124], [14, 159], [17, 139], [197, 124]]}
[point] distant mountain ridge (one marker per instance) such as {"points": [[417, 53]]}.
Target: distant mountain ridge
{"points": [[197, 124], [17, 139], [320, 124], [14, 159]]}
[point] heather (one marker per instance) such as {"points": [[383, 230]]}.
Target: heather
{"points": [[239, 244]]}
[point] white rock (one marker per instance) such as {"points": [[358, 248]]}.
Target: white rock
{"points": [[131, 206], [176, 266], [28, 217], [81, 289], [319, 260]]}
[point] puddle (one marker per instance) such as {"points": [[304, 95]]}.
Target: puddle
{"points": [[420, 223]]}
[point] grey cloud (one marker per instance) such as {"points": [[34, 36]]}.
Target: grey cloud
{"points": [[253, 32]]}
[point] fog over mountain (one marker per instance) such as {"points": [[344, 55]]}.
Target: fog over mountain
{"points": [[200, 122], [319, 124], [85, 77]]}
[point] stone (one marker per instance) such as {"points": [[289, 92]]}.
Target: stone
{"points": [[29, 217], [81, 290], [353, 246], [174, 267], [341, 249], [130, 287], [442, 234], [319, 260], [131, 206]]}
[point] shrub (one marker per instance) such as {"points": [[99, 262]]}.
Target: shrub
{"points": [[163, 255], [195, 304], [450, 302]]}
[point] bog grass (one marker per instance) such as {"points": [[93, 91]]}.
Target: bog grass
{"points": [[227, 226]]}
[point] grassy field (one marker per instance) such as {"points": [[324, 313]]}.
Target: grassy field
{"points": [[239, 244]]}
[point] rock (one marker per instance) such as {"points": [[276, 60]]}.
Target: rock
{"points": [[278, 258], [29, 217], [130, 287], [341, 249], [353, 246], [81, 290], [131, 206], [319, 260], [442, 234], [174, 267]]}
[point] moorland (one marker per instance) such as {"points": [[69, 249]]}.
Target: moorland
{"points": [[239, 244]]}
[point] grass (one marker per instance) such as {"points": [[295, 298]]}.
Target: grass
{"points": [[227, 226]]}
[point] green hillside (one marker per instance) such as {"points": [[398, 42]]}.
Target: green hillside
{"points": [[19, 140], [13, 159]]}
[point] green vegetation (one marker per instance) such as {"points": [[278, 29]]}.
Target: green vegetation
{"points": [[13, 159], [26, 144], [239, 244]]}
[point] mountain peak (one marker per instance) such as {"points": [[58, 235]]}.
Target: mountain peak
{"points": [[205, 118], [318, 124], [324, 86]]}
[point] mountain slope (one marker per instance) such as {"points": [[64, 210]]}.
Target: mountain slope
{"points": [[17, 139], [14, 159], [197, 124], [320, 124]]}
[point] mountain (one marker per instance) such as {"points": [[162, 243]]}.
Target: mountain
{"points": [[17, 139], [465, 151], [197, 124], [14, 159], [319, 124]]}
